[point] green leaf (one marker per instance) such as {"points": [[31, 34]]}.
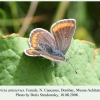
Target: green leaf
{"points": [[16, 68]]}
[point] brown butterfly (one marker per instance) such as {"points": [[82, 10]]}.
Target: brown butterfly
{"points": [[52, 47]]}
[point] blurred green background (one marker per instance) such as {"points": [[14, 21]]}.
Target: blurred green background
{"points": [[22, 17]]}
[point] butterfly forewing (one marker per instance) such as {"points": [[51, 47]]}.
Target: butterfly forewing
{"points": [[40, 37], [63, 31]]}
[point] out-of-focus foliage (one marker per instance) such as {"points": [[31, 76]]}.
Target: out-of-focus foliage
{"points": [[87, 15]]}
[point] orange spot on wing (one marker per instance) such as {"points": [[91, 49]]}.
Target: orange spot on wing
{"points": [[55, 29], [59, 26], [30, 51], [72, 25], [33, 52], [36, 34], [66, 24], [33, 39], [34, 45], [62, 25], [69, 24]]}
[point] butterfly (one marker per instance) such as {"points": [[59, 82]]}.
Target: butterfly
{"points": [[54, 45]]}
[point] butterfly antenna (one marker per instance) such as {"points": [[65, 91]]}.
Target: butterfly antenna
{"points": [[72, 66]]}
